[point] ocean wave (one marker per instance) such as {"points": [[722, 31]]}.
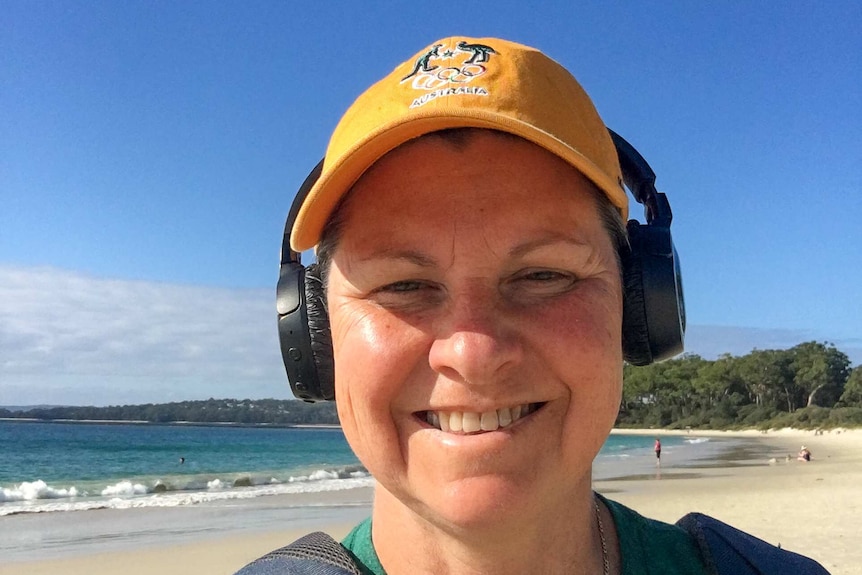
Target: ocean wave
{"points": [[33, 490], [696, 439], [346, 472], [39, 497], [125, 488]]}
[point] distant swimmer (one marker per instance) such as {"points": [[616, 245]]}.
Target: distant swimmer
{"points": [[182, 460]]}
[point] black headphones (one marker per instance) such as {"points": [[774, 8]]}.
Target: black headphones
{"points": [[653, 305]]}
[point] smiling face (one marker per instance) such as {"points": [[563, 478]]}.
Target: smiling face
{"points": [[475, 306]]}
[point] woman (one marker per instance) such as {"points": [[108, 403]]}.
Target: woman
{"points": [[452, 308], [468, 223]]}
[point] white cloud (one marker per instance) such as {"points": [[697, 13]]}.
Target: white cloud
{"points": [[66, 337]]}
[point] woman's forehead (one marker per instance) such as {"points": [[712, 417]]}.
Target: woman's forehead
{"points": [[476, 181], [468, 145], [470, 159]]}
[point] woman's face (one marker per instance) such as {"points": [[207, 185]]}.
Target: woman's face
{"points": [[475, 306]]}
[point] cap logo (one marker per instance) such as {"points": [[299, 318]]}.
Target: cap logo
{"points": [[445, 71]]}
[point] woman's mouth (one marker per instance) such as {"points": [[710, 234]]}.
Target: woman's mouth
{"points": [[471, 422]]}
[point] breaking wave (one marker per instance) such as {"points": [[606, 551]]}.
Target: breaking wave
{"points": [[39, 497]]}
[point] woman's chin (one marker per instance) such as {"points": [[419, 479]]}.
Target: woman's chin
{"points": [[481, 503]]}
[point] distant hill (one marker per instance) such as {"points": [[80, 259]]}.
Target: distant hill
{"points": [[28, 407], [241, 411]]}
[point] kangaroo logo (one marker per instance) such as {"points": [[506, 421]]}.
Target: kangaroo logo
{"points": [[447, 71], [424, 61], [481, 53]]}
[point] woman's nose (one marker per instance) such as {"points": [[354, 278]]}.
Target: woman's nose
{"points": [[476, 341]]}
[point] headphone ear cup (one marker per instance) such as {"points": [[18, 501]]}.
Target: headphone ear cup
{"points": [[636, 348], [653, 304], [303, 332], [318, 331]]}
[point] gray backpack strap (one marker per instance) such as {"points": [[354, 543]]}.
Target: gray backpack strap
{"points": [[315, 554], [729, 551]]}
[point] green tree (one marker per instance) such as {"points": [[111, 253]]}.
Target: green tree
{"points": [[821, 372], [852, 396], [768, 377], [718, 379]]}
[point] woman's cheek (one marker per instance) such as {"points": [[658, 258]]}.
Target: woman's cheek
{"points": [[372, 364]]}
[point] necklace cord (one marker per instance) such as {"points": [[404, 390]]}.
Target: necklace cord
{"points": [[606, 567]]}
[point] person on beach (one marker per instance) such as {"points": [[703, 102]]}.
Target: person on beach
{"points": [[804, 454], [466, 312], [657, 449]]}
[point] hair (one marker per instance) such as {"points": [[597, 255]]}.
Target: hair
{"points": [[459, 138]]}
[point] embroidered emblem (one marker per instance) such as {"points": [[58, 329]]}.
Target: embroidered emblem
{"points": [[481, 53], [422, 63], [445, 73]]}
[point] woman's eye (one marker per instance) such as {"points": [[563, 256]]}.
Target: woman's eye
{"points": [[543, 275], [408, 295], [546, 276], [546, 282], [402, 286]]}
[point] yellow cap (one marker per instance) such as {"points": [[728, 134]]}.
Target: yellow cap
{"points": [[459, 83]]}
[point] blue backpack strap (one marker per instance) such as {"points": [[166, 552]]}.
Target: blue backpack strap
{"points": [[729, 551], [315, 554]]}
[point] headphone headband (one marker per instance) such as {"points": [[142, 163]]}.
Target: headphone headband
{"points": [[640, 180], [287, 253]]}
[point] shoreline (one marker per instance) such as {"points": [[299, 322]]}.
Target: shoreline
{"points": [[811, 508], [615, 431]]}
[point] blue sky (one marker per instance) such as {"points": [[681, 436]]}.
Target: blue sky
{"points": [[149, 152]]}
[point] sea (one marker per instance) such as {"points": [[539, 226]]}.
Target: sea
{"points": [[69, 488], [67, 467]]}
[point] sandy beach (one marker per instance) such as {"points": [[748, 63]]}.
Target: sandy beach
{"points": [[812, 508]]}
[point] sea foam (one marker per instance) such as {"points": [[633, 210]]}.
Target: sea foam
{"points": [[33, 490], [124, 488], [39, 497]]}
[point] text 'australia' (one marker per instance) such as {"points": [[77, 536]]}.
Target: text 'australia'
{"points": [[460, 91]]}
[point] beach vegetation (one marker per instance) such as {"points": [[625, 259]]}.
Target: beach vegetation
{"points": [[810, 386], [852, 394]]}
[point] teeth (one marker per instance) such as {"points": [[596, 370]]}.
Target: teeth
{"points": [[516, 412], [444, 422], [433, 419], [489, 421], [504, 416], [471, 422], [455, 421]]}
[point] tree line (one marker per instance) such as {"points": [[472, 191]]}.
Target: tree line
{"points": [[242, 411], [811, 385]]}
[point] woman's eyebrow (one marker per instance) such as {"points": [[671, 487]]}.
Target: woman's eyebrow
{"points": [[554, 240], [407, 256]]}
